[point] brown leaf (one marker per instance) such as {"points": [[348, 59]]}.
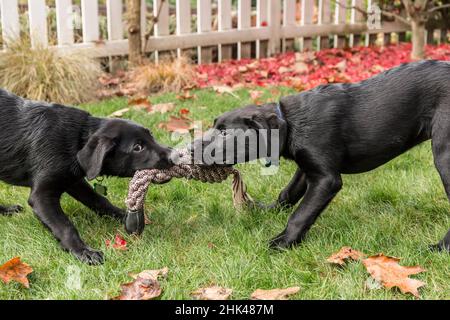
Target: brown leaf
{"points": [[163, 107], [140, 103], [119, 113], [15, 270], [225, 89], [140, 289], [152, 274], [212, 293], [274, 294], [186, 95], [387, 271], [180, 124], [345, 253], [144, 287]]}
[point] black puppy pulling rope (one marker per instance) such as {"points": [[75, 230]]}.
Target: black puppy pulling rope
{"points": [[134, 222]]}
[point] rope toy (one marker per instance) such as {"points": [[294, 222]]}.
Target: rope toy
{"points": [[134, 220]]}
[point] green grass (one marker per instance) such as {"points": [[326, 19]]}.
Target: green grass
{"points": [[397, 209]]}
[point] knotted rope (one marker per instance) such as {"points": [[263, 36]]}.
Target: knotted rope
{"points": [[134, 222]]}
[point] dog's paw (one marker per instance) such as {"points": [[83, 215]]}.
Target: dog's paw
{"points": [[90, 256], [281, 242], [441, 246]]}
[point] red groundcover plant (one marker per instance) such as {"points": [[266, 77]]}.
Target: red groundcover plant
{"points": [[307, 70]]}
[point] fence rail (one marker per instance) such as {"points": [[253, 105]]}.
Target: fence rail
{"points": [[219, 30]]}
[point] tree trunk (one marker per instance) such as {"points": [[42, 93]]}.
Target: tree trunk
{"points": [[418, 40], [134, 32]]}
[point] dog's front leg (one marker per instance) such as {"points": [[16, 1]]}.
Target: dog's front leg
{"points": [[321, 190], [46, 205], [83, 192], [292, 193]]}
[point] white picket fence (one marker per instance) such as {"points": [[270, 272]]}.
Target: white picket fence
{"points": [[270, 27]]}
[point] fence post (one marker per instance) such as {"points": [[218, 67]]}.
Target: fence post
{"points": [[183, 12], [356, 17], [10, 20], [339, 18], [89, 14], [114, 10], [275, 25], [64, 22], [289, 8], [307, 18], [162, 26], [324, 19], [262, 7], [224, 23], [38, 22], [204, 25], [244, 22]]}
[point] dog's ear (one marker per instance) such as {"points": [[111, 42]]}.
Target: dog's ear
{"points": [[258, 122], [93, 153]]}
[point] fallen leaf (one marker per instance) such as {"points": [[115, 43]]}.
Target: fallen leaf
{"points": [[180, 124], [144, 287], [140, 289], [119, 243], [184, 111], [390, 274], [162, 107], [186, 95], [119, 113], [212, 293], [284, 69], [140, 103], [255, 95], [151, 274], [301, 67], [15, 270], [345, 253], [225, 89], [274, 294], [341, 66]]}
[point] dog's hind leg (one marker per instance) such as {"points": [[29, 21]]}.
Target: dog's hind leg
{"points": [[292, 193], [83, 192], [441, 152], [7, 211]]}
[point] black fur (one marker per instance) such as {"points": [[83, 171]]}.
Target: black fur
{"points": [[353, 128], [52, 148]]}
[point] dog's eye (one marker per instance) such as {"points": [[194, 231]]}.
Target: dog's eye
{"points": [[223, 132], [138, 147]]}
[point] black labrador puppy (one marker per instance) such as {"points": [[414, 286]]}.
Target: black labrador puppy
{"points": [[346, 128], [52, 148]]}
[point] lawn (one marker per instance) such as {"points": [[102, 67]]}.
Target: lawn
{"points": [[398, 209]]}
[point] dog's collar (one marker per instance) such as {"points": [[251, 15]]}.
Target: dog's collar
{"points": [[279, 112]]}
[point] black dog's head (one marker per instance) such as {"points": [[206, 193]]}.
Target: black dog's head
{"points": [[241, 135], [119, 148]]}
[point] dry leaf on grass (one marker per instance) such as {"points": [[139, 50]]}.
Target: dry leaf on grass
{"points": [[119, 243], [255, 95], [119, 113], [144, 287], [387, 271], [180, 124], [186, 95], [274, 294], [15, 270], [345, 253], [212, 293], [225, 89], [140, 103], [162, 107]]}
